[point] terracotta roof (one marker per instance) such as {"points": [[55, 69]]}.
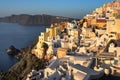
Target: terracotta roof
{"points": [[101, 20]]}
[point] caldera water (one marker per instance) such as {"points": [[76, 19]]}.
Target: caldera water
{"points": [[17, 35]]}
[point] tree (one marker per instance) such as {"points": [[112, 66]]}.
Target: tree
{"points": [[45, 48]]}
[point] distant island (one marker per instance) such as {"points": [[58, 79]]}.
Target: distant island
{"points": [[34, 20]]}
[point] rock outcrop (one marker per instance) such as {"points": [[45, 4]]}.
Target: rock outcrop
{"points": [[12, 50]]}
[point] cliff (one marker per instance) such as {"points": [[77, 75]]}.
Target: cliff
{"points": [[28, 62], [12, 50], [33, 20]]}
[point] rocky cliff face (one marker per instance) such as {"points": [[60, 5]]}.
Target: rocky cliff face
{"points": [[25, 19], [12, 50], [28, 62]]}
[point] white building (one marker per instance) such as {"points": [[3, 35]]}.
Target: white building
{"points": [[34, 75]]}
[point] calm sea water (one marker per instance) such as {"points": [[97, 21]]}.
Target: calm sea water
{"points": [[17, 35]]}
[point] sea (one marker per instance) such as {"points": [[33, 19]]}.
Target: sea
{"points": [[18, 36]]}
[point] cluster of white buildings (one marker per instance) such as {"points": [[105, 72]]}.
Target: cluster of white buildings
{"points": [[82, 52]]}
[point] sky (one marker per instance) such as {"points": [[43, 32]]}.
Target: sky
{"points": [[66, 8]]}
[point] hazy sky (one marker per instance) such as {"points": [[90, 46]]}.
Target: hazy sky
{"points": [[66, 8]]}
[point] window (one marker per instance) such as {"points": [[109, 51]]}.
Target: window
{"points": [[47, 74], [110, 36], [113, 32]]}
